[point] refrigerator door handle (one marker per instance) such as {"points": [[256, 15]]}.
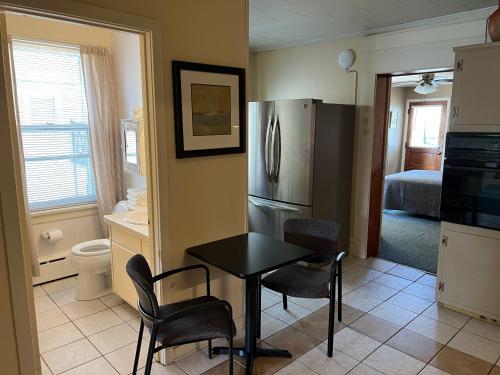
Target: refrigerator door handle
{"points": [[267, 152], [278, 157], [273, 206]]}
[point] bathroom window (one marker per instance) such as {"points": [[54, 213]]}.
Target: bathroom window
{"points": [[53, 118]]}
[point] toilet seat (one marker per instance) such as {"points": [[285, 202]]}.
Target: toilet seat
{"points": [[91, 248]]}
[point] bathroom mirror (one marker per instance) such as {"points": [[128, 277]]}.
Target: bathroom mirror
{"points": [[131, 145]]}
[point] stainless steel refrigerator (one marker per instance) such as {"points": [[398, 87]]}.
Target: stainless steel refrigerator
{"points": [[300, 163]]}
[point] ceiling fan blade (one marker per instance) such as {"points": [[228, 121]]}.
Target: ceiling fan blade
{"points": [[443, 79]]}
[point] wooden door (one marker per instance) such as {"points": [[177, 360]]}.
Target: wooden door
{"points": [[425, 135]]}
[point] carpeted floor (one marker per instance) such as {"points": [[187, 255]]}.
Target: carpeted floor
{"points": [[410, 240]]}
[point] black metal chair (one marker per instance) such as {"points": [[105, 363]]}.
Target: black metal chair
{"points": [[194, 320], [302, 281]]}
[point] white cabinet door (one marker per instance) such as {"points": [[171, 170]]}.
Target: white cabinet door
{"points": [[476, 87], [122, 284], [468, 274]]}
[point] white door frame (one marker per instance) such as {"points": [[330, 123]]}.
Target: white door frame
{"points": [[18, 261]]}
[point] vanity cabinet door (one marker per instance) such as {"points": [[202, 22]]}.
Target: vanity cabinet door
{"points": [[122, 284]]}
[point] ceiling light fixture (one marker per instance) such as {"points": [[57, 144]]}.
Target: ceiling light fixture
{"points": [[425, 88]]}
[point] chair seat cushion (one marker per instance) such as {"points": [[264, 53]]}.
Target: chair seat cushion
{"points": [[299, 281], [196, 326]]}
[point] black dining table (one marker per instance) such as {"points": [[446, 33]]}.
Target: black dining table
{"points": [[248, 256]]}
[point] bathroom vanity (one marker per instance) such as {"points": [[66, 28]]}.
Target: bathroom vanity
{"points": [[126, 239]]}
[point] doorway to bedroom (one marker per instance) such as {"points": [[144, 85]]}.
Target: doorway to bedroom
{"points": [[416, 127]]}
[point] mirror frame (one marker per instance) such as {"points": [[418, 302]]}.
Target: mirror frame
{"points": [[134, 125]]}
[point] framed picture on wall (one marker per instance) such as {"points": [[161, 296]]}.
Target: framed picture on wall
{"points": [[394, 117], [209, 109]]}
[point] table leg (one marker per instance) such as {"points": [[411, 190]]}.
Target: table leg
{"points": [[250, 351]]}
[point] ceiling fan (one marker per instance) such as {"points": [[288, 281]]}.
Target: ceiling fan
{"points": [[427, 84]]}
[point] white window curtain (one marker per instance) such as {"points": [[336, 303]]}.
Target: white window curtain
{"points": [[104, 125]]}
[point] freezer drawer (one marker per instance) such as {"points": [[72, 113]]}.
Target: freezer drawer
{"points": [[268, 217]]}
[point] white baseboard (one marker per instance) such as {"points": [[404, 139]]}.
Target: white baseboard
{"points": [[54, 268]]}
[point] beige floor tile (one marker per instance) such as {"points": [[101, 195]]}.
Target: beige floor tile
{"points": [[126, 312], [311, 304], [361, 272], [58, 285], [378, 264], [428, 279], [352, 282], [391, 361], [352, 259], [363, 369], [432, 329], [417, 346], [316, 325], [159, 369], [378, 291], [98, 366], [289, 316], [422, 291], [58, 336], [38, 291], [481, 328], [64, 297], [270, 325], [374, 327], [123, 359], [97, 322], [50, 319], [136, 325], [431, 370], [354, 344], [77, 310], [476, 346], [198, 362], [408, 273], [495, 370], [393, 314], [392, 281], [293, 340], [45, 368], [112, 300], [410, 302], [295, 368], [221, 369], [318, 361], [114, 338], [361, 301], [44, 303], [446, 316], [458, 363], [349, 313], [266, 365], [70, 356]]}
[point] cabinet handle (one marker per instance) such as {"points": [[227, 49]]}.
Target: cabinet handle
{"points": [[460, 65]]}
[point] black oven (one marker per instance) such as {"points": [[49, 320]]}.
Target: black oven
{"points": [[471, 180]]}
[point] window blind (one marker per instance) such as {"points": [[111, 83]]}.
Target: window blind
{"points": [[53, 118]]}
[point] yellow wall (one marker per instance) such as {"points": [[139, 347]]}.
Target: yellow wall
{"points": [[202, 199], [312, 71]]}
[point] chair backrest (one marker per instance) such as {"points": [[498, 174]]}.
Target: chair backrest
{"points": [[321, 236], [140, 273]]}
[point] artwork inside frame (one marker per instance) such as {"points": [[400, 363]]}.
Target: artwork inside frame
{"points": [[209, 109]]}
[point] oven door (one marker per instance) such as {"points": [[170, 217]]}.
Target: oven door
{"points": [[471, 195]]}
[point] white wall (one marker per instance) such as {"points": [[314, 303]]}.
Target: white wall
{"points": [[127, 57], [395, 135], [312, 71]]}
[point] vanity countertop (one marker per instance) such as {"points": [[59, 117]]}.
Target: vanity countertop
{"points": [[135, 229]]}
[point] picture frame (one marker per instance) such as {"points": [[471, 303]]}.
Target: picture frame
{"points": [[209, 109], [393, 118]]}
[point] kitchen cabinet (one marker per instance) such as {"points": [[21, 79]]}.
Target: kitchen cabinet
{"points": [[468, 270], [476, 88], [126, 241]]}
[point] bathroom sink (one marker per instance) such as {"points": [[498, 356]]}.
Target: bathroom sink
{"points": [[139, 217]]}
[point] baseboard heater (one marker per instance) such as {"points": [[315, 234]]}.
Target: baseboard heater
{"points": [[54, 268]]}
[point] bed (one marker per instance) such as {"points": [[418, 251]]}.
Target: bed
{"points": [[416, 192]]}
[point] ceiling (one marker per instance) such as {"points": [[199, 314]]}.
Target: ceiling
{"points": [[284, 23], [408, 80]]}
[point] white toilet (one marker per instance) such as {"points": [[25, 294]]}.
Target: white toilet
{"points": [[92, 260]]}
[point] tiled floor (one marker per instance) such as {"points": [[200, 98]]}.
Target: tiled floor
{"points": [[391, 325]]}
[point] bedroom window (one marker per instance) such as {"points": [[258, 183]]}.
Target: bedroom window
{"points": [[53, 119]]}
